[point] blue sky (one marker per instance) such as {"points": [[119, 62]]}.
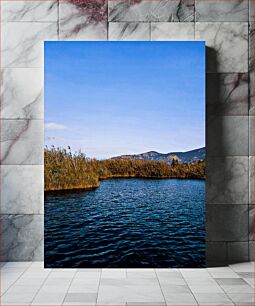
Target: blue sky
{"points": [[112, 98]]}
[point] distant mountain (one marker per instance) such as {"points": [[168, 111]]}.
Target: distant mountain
{"points": [[182, 157]]}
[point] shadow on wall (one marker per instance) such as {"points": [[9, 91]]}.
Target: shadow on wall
{"points": [[226, 178], [213, 254]]}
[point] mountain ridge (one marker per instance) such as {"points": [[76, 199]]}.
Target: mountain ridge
{"points": [[182, 157]]}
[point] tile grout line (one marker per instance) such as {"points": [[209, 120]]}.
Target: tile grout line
{"points": [[188, 287], [222, 288], [249, 165], [107, 21], [160, 286], [58, 20], [69, 286], [15, 280], [98, 286], [40, 286], [237, 304]]}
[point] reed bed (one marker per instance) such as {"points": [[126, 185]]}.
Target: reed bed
{"points": [[64, 170]]}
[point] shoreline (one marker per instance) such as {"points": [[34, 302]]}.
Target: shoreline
{"points": [[87, 188]]}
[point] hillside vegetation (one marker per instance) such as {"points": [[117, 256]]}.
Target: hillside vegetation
{"points": [[64, 170]]}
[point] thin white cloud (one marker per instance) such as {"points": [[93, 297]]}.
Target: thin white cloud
{"points": [[55, 126]]}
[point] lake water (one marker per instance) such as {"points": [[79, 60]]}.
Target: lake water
{"points": [[127, 223]]}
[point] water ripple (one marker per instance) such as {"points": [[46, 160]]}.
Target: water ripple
{"points": [[127, 223]]}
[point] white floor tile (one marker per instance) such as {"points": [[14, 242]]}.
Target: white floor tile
{"points": [[222, 272], [84, 285], [114, 273], [141, 273], [195, 273], [180, 299], [46, 298], [243, 267], [213, 299], [242, 299]]}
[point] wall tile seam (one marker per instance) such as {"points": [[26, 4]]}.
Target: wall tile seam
{"points": [[23, 214], [227, 243], [20, 119], [233, 204], [229, 205], [21, 164], [208, 155], [19, 67], [58, 21], [25, 21], [228, 72], [168, 22], [107, 21], [211, 114]]}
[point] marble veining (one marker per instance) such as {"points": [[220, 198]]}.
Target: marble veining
{"points": [[22, 142], [22, 237], [230, 176], [228, 43], [22, 10], [151, 10], [227, 135], [227, 94], [129, 31], [251, 70], [234, 10], [79, 20], [172, 31], [22, 93], [22, 189], [22, 43], [25, 24]]}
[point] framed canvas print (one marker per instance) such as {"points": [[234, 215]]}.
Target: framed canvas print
{"points": [[124, 156]]}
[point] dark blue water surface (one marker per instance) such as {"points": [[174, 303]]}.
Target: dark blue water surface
{"points": [[127, 223]]}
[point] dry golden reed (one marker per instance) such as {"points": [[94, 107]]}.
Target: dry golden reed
{"points": [[64, 170]]}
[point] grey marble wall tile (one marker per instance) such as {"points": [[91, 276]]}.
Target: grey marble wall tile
{"points": [[234, 10], [216, 252], [251, 70], [227, 135], [227, 45], [22, 43], [251, 10], [22, 142], [78, 22], [172, 31], [251, 135], [22, 237], [129, 31], [22, 10], [237, 252], [251, 250], [227, 180], [22, 93], [227, 223], [251, 93], [151, 10], [227, 94], [21, 189], [251, 222], [251, 180]]}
